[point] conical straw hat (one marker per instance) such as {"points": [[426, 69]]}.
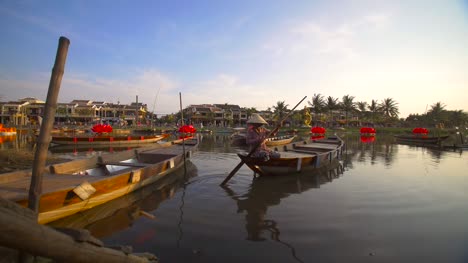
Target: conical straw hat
{"points": [[256, 118]]}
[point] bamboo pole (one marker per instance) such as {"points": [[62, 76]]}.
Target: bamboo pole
{"points": [[183, 135], [35, 189]]}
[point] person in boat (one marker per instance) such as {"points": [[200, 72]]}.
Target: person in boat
{"points": [[256, 134]]}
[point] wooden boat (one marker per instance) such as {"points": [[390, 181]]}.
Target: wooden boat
{"points": [[280, 140], [7, 131], [78, 185], [239, 139], [107, 140], [122, 212], [418, 139], [298, 157]]}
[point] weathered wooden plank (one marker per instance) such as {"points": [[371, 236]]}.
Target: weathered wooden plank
{"points": [[125, 164], [73, 166], [21, 232]]}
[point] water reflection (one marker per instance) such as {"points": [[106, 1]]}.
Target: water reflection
{"points": [[267, 192], [20, 141], [385, 150], [121, 213]]}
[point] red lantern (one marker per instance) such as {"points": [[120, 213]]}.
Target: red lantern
{"points": [[318, 130], [187, 129], [420, 131]]}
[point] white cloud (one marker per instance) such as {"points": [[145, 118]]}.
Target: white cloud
{"points": [[310, 38], [149, 85]]}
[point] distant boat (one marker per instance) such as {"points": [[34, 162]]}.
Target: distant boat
{"points": [[107, 140], [418, 139]]}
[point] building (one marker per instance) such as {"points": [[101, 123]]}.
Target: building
{"points": [[30, 111]]}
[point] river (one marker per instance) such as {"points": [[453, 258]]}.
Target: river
{"points": [[384, 202]]}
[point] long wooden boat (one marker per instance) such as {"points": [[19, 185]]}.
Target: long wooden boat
{"points": [[122, 212], [280, 140], [298, 157], [78, 185], [107, 140], [420, 139], [239, 139]]}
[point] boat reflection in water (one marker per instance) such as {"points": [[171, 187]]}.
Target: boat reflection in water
{"points": [[121, 213], [268, 191]]}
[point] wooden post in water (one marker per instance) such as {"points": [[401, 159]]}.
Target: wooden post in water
{"points": [[40, 156], [183, 134]]}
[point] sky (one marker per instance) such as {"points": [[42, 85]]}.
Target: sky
{"points": [[249, 53]]}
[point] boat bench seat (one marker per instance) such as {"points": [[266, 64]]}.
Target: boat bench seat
{"points": [[70, 167], [152, 158], [125, 164], [297, 154]]}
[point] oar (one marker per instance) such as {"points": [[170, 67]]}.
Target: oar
{"points": [[234, 171]]}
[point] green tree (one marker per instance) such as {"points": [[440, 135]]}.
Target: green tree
{"points": [[362, 109], [249, 111], [389, 107], [280, 110], [347, 105], [458, 118], [437, 113], [331, 104], [374, 109], [317, 104]]}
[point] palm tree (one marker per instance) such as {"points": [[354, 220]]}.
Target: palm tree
{"points": [[362, 107], [280, 110], [347, 105], [458, 117], [436, 109], [437, 112], [374, 108], [389, 108], [331, 105], [317, 104], [249, 111]]}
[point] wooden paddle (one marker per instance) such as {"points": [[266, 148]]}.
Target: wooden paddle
{"points": [[234, 171]]}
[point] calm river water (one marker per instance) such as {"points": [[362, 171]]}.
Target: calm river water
{"points": [[384, 202]]}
